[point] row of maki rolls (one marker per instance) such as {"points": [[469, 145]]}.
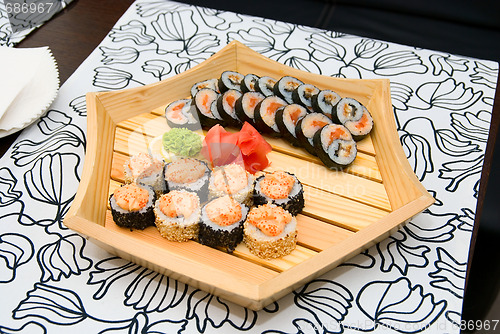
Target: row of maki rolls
{"points": [[320, 121], [186, 200]]}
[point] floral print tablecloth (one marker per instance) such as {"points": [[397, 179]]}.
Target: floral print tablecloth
{"points": [[54, 280]]}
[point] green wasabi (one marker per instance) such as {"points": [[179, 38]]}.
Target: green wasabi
{"points": [[181, 141]]}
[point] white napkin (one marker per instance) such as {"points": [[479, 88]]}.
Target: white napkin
{"points": [[29, 82]]}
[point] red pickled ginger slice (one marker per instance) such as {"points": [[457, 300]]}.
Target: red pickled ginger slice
{"points": [[246, 147]]}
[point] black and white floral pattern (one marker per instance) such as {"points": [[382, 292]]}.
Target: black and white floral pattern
{"points": [[54, 280]]}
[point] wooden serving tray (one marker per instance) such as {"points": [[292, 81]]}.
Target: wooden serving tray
{"points": [[345, 213]]}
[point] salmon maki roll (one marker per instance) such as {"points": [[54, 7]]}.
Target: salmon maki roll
{"points": [[230, 80], [203, 100], [265, 115], [177, 215], [270, 231], [182, 114], [245, 106], [279, 188], [221, 223], [307, 127], [362, 127], [334, 146], [287, 118], [132, 206], [226, 107], [210, 83]]}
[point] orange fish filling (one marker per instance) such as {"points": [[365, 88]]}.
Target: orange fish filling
{"points": [[224, 211], [178, 203], [277, 185], [363, 122], [271, 220], [131, 198]]}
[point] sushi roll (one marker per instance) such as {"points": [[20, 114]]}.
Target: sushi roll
{"points": [[362, 127], [146, 170], [307, 127], [279, 188], [325, 102], [177, 215], [225, 107], [348, 109], [335, 146], [248, 83], [303, 95], [245, 106], [132, 206], [221, 223], [265, 85], [230, 80], [188, 174], [210, 83], [287, 118], [232, 180], [182, 114], [270, 231], [203, 100], [285, 86], [265, 115]]}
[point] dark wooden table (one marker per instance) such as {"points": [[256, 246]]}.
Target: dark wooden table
{"points": [[76, 31]]}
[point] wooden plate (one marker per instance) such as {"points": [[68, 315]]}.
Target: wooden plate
{"points": [[346, 212]]}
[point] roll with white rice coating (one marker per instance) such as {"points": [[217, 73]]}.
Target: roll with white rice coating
{"points": [[177, 215], [188, 174]]}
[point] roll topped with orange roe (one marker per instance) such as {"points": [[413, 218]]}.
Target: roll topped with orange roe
{"points": [[270, 231], [132, 206], [280, 188], [221, 223]]}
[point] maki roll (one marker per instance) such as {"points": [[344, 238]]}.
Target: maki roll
{"points": [[362, 127], [265, 85], [203, 100], [221, 223], [230, 80], [248, 83], [270, 231], [146, 170], [285, 86], [303, 95], [325, 102], [188, 174], [232, 180], [265, 115], [348, 109], [335, 146], [182, 114], [177, 215], [245, 106], [287, 118], [210, 83], [307, 127], [132, 206], [279, 188], [225, 107]]}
